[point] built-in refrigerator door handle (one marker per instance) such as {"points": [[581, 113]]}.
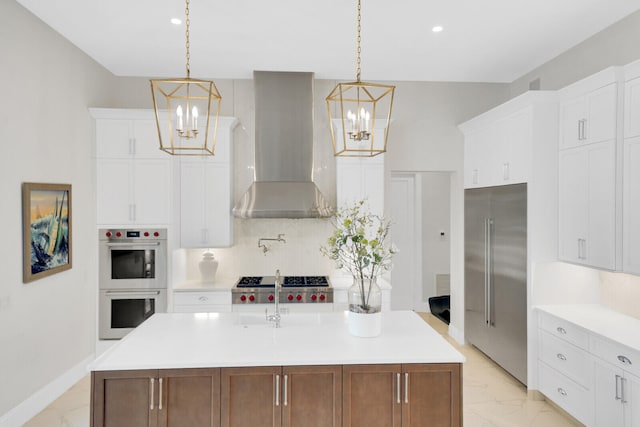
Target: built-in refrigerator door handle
{"points": [[486, 270], [489, 271]]}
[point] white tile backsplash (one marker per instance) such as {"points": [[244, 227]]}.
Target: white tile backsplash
{"points": [[300, 255], [621, 292]]}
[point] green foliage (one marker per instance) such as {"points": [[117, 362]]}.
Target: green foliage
{"points": [[359, 242]]}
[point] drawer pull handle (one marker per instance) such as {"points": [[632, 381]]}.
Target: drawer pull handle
{"points": [[618, 387], [203, 298], [562, 357], [624, 360], [561, 330], [561, 391]]}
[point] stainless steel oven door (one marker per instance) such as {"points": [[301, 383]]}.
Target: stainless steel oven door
{"points": [[122, 311], [133, 265]]}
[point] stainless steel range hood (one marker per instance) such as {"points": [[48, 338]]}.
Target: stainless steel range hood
{"points": [[283, 186]]}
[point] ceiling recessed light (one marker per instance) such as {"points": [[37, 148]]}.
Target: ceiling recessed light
{"points": [[176, 21], [437, 28]]}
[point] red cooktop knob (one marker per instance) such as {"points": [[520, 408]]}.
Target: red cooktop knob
{"points": [[118, 234], [146, 234], [290, 297], [252, 298], [108, 234], [314, 297], [243, 298], [270, 297], [156, 234], [322, 297], [298, 297]]}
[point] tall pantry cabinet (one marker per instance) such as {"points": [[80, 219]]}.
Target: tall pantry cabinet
{"points": [[588, 176], [631, 170]]}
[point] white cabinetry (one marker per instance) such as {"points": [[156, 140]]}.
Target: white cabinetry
{"points": [[631, 171], [587, 222], [500, 145], [616, 388], [589, 117], [361, 179], [589, 203], [564, 366], [202, 301], [133, 177], [594, 378], [206, 185]]}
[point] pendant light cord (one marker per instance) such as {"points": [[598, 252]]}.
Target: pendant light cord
{"points": [[187, 22], [358, 49]]}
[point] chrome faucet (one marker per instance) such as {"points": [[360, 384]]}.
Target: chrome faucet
{"points": [[275, 317]]}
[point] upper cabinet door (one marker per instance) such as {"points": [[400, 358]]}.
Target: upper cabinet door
{"points": [[589, 118], [632, 108], [631, 206], [113, 139], [514, 148], [145, 140]]}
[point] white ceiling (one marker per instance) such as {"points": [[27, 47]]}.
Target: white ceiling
{"points": [[483, 40]]}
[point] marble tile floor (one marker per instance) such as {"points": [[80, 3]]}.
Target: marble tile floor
{"points": [[491, 397]]}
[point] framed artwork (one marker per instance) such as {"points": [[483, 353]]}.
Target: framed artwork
{"points": [[46, 224]]}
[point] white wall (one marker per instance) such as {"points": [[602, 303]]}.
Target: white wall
{"points": [[435, 219], [47, 327]]}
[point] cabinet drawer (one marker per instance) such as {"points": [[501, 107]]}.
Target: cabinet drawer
{"points": [[201, 298], [616, 354], [570, 396], [564, 330], [219, 308], [566, 358]]}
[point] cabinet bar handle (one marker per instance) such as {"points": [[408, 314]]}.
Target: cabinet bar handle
{"points": [[277, 390], [160, 394], [623, 396], [489, 270], [398, 387], [152, 386], [618, 387], [284, 391], [579, 130], [561, 391], [562, 357], [624, 359], [406, 387], [505, 171], [486, 269], [561, 330]]}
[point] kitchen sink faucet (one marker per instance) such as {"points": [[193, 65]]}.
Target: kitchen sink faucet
{"points": [[275, 317]]}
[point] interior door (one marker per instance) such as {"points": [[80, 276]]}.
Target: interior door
{"points": [[476, 213], [508, 279]]}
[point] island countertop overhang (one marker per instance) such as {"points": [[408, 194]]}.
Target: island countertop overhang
{"points": [[207, 340]]}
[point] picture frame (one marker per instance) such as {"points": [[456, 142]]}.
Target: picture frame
{"points": [[47, 230]]}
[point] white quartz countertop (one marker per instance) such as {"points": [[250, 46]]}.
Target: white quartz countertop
{"points": [[186, 340], [600, 320]]}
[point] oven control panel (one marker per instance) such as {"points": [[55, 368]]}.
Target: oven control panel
{"points": [[132, 234]]}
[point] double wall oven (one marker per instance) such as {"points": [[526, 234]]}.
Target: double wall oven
{"points": [[132, 279]]}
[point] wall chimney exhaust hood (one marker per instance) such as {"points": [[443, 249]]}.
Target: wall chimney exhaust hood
{"points": [[283, 186]]}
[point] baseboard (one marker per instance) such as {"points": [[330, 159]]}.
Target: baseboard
{"points": [[45, 396], [456, 334]]}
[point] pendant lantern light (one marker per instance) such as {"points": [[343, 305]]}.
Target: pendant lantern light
{"points": [[186, 111], [363, 114]]}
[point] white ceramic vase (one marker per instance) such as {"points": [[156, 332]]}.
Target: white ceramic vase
{"points": [[208, 267]]}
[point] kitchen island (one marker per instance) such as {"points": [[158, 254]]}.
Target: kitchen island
{"points": [[236, 369]]}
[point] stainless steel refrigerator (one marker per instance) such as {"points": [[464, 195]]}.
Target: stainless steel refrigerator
{"points": [[495, 266]]}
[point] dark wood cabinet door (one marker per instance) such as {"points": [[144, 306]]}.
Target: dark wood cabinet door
{"points": [[312, 396], [371, 396], [251, 396], [432, 395], [124, 398], [190, 397]]}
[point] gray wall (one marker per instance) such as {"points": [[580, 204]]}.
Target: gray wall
{"points": [[617, 45], [47, 327]]}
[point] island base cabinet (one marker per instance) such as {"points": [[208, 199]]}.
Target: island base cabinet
{"points": [[156, 398], [250, 397], [290, 396], [122, 399], [412, 395]]}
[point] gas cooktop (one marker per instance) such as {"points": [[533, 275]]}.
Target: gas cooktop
{"points": [[287, 282]]}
